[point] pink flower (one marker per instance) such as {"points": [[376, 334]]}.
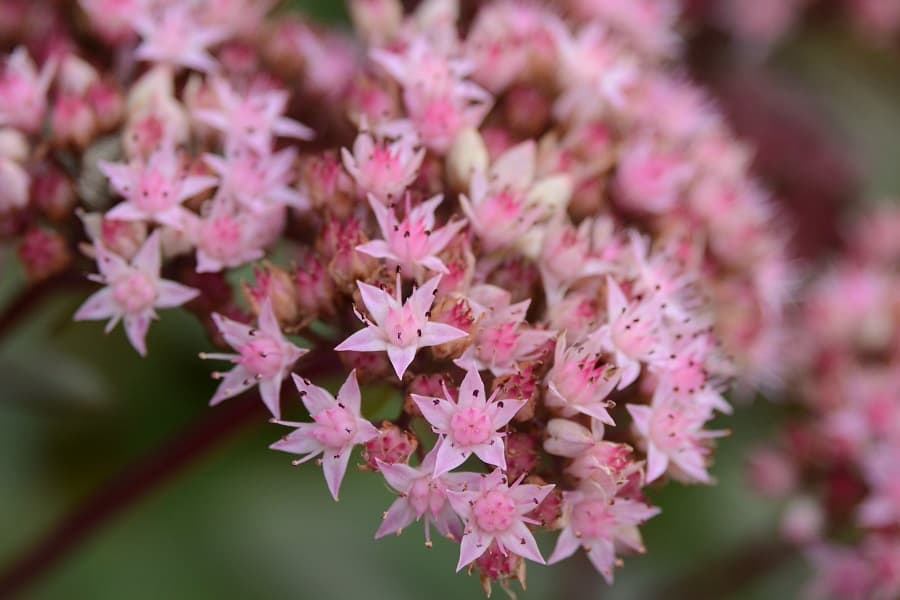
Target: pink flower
{"points": [[132, 291], [675, 437], [470, 425], [414, 242], [399, 328], [495, 512], [439, 100], [336, 428], [650, 178], [252, 118], [580, 381], [111, 18], [23, 91], [386, 162], [422, 494], [600, 523], [174, 35], [154, 189], [257, 181], [224, 237], [568, 254], [264, 357], [607, 464]]}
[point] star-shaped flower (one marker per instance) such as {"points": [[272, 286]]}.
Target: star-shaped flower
{"points": [[399, 328], [174, 35], [257, 181], [495, 512], [336, 428], [469, 425], [23, 91], [264, 357], [384, 165], [412, 243], [133, 291]]}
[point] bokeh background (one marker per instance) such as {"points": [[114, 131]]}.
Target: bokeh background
{"points": [[77, 407]]}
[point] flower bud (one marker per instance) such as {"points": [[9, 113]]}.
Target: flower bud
{"points": [[14, 186], [53, 192], [454, 311], [13, 145], [523, 385], [43, 253], [467, 154], [106, 100], [392, 445], [274, 284], [521, 454], [500, 566], [75, 75], [72, 121], [567, 438]]}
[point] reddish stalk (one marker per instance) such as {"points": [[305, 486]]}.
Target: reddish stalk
{"points": [[139, 480]]}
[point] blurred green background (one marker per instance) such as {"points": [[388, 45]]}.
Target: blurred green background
{"points": [[77, 406]]}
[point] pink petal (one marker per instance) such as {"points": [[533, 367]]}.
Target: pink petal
{"points": [[136, 329], [100, 305], [602, 555], [399, 476], [640, 414], [384, 215], [503, 411], [314, 398], [519, 540], [435, 264], [268, 322], [401, 358], [422, 299], [657, 463], [492, 453], [616, 303], [376, 301], [449, 457], [126, 211], [173, 294], [473, 545], [566, 545], [236, 334], [349, 394], [364, 340], [525, 495], [233, 383], [471, 390], [377, 249], [434, 334], [398, 516], [147, 260], [597, 411], [270, 391], [298, 441], [437, 411], [334, 466]]}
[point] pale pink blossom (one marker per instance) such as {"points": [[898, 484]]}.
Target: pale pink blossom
{"points": [[384, 165], [264, 358], [251, 118], [223, 237], [154, 188], [495, 512], [651, 178], [422, 494], [607, 464], [337, 427], [173, 34], [257, 181], [133, 291], [413, 243], [23, 91], [399, 328], [14, 185], [600, 524], [470, 425], [580, 381]]}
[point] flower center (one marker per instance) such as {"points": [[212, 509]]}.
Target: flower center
{"points": [[470, 426], [262, 357], [155, 193], [135, 293], [592, 519], [427, 495], [221, 237], [494, 512], [336, 427]]}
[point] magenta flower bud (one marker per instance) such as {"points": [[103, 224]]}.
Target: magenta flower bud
{"points": [[72, 121], [44, 253], [521, 454], [53, 192], [393, 445], [124, 238], [314, 287], [527, 110], [107, 102], [498, 566]]}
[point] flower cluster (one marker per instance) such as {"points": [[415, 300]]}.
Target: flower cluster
{"points": [[533, 226], [835, 465]]}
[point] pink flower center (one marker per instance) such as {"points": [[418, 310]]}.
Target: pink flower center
{"points": [[409, 240], [633, 334], [262, 356], [135, 293], [470, 426], [438, 118], [155, 192], [494, 512], [427, 495], [498, 343], [592, 519], [688, 377], [221, 237], [582, 382], [335, 429], [402, 326]]}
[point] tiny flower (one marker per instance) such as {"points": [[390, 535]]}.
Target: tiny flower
{"points": [[23, 92], [173, 35], [608, 464], [336, 428], [414, 242], [252, 118], [257, 181], [469, 425], [381, 166], [154, 189], [133, 290], [580, 381], [223, 237], [495, 512], [600, 523], [264, 357], [422, 494], [399, 328]]}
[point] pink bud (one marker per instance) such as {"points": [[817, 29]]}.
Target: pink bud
{"points": [[43, 253], [274, 284], [53, 192], [393, 445], [107, 102], [521, 454]]}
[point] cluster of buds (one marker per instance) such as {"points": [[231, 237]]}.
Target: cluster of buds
{"points": [[766, 22], [834, 466], [533, 226]]}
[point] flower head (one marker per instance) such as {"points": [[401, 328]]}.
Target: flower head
{"points": [[470, 425], [399, 328], [336, 428], [173, 34], [264, 357], [580, 381], [384, 162], [133, 291]]}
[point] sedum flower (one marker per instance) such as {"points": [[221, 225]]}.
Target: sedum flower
{"points": [[336, 428], [422, 494], [257, 181], [600, 524], [399, 328], [580, 381], [133, 291], [264, 358], [384, 162], [173, 35], [470, 424], [413, 243], [496, 512], [23, 91]]}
